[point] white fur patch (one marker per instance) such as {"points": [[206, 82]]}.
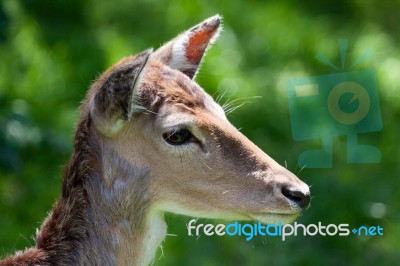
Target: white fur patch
{"points": [[156, 231]]}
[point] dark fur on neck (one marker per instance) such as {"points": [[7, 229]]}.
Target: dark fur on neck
{"points": [[69, 235], [64, 231]]}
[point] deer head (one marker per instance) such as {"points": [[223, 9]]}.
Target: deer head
{"points": [[152, 115]]}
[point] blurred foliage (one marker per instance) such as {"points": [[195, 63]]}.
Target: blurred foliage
{"points": [[51, 50]]}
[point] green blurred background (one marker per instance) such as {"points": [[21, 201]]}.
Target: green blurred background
{"points": [[50, 51]]}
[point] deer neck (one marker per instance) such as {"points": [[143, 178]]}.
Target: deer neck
{"points": [[122, 216], [105, 214]]}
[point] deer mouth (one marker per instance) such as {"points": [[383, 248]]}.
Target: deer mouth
{"points": [[275, 217]]}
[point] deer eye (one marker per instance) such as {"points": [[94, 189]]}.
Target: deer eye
{"points": [[178, 137]]}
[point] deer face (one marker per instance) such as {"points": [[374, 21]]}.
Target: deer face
{"points": [[154, 116]]}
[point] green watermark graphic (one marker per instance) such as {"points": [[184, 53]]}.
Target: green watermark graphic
{"points": [[339, 104]]}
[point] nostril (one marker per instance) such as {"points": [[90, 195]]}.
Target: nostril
{"points": [[297, 196]]}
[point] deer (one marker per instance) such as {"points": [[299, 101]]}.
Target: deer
{"points": [[151, 141]]}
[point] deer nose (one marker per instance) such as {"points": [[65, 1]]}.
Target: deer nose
{"points": [[297, 196]]}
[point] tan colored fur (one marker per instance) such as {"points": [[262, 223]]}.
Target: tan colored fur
{"points": [[123, 175]]}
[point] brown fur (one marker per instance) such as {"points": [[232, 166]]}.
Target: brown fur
{"points": [[164, 86], [123, 175], [64, 231]]}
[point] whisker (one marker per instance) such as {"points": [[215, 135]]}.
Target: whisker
{"points": [[226, 106], [246, 98], [219, 97], [229, 105], [217, 91], [302, 168], [234, 108], [162, 253]]}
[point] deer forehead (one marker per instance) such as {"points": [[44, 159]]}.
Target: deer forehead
{"points": [[177, 93]]}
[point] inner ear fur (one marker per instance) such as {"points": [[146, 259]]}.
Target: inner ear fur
{"points": [[114, 92]]}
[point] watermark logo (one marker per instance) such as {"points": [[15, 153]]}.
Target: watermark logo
{"points": [[325, 106], [249, 231]]}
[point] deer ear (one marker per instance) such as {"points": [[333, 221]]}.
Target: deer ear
{"points": [[115, 93], [185, 52]]}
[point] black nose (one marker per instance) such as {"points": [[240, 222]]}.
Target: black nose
{"points": [[297, 196]]}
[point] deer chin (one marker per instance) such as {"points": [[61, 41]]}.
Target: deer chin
{"points": [[275, 218]]}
